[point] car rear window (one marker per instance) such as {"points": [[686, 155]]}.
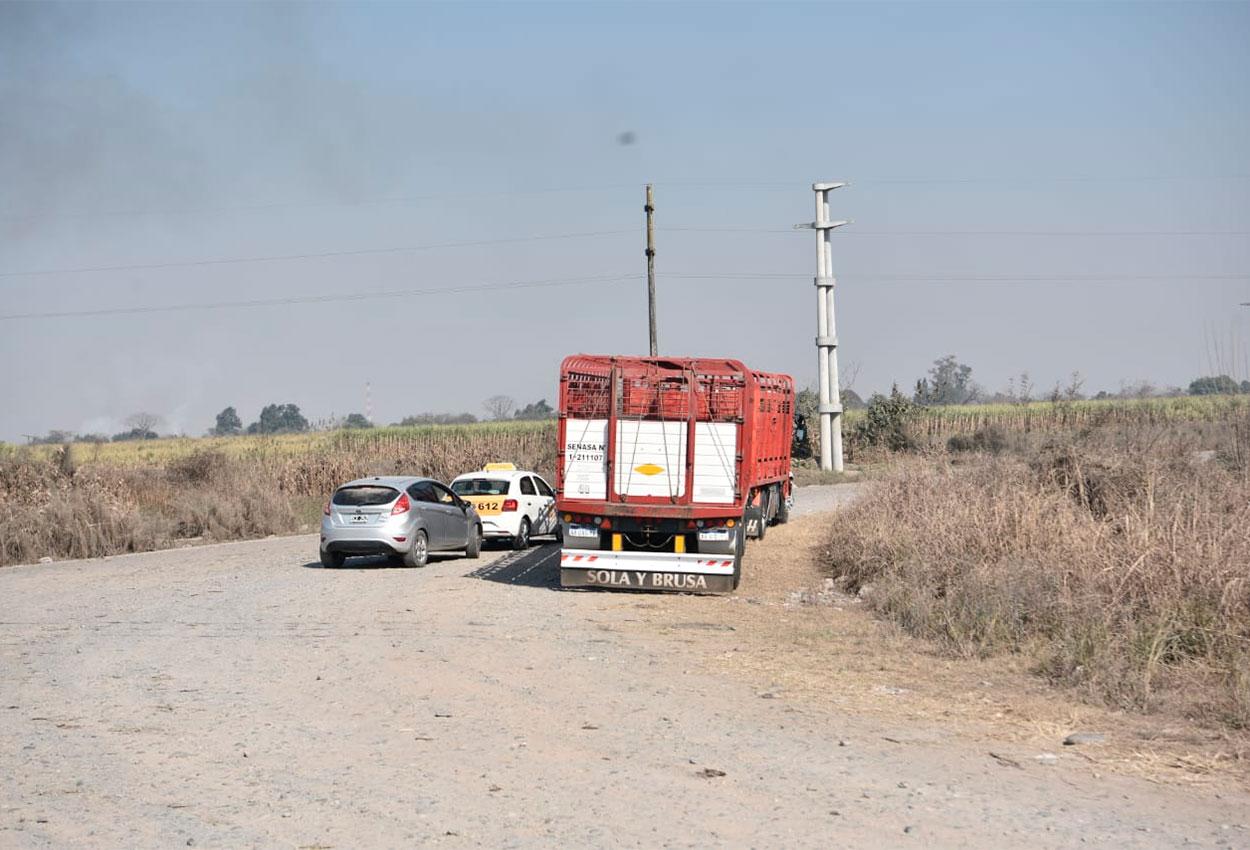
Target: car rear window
{"points": [[480, 487], [365, 495]]}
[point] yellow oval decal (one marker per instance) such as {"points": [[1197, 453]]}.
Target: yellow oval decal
{"points": [[649, 469]]}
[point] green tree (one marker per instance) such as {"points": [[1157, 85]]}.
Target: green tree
{"points": [[356, 420], [885, 422], [439, 419], [136, 433], [279, 419], [949, 382], [1214, 385], [538, 410], [228, 423]]}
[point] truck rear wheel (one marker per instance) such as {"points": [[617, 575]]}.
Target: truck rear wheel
{"points": [[783, 508], [739, 548]]}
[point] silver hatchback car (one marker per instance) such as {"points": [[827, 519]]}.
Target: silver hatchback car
{"points": [[399, 516]]}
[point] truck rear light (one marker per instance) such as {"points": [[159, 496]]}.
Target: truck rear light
{"points": [[401, 506], [607, 523], [509, 505]]}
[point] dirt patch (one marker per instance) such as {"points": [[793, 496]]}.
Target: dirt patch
{"points": [[796, 638]]}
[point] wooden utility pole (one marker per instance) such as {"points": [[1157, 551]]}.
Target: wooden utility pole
{"points": [[650, 210]]}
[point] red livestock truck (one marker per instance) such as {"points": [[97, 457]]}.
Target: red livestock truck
{"points": [[665, 467]]}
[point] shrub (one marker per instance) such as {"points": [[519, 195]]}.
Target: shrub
{"points": [[1119, 561], [884, 423], [989, 439]]}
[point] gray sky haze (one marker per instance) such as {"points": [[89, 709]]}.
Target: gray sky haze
{"points": [[1040, 187]]}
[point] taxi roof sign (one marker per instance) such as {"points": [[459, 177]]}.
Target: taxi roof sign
{"points": [[499, 467]]}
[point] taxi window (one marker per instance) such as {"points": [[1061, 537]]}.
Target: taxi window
{"points": [[480, 487], [527, 486]]}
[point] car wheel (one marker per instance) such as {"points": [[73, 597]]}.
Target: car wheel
{"points": [[474, 549], [332, 560], [419, 554], [522, 538], [559, 532]]}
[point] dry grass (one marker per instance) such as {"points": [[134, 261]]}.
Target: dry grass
{"points": [[934, 426], [79, 502], [1118, 560]]}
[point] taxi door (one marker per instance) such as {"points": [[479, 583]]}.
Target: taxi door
{"points": [[546, 519]]}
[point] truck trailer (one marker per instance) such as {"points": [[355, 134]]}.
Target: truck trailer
{"points": [[666, 466]]}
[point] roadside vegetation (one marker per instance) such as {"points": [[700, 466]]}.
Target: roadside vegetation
{"points": [[1108, 543], [76, 500]]}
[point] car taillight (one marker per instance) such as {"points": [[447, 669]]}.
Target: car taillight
{"points": [[402, 506], [509, 504], [327, 510]]}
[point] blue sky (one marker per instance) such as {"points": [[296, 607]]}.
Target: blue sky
{"points": [[227, 131]]}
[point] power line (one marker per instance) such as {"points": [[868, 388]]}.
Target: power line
{"points": [[709, 183], [857, 232], [314, 256], [571, 281], [955, 278], [920, 181], [324, 299], [277, 205]]}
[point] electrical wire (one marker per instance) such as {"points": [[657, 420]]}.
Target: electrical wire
{"points": [[709, 183], [399, 200], [325, 299], [953, 278], [843, 233], [476, 243], [921, 181]]}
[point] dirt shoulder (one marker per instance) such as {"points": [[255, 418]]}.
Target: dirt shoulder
{"points": [[794, 637]]}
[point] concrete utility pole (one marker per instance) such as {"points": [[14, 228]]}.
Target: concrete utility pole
{"points": [[650, 210], [830, 407]]}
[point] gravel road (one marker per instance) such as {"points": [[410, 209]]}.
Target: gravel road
{"points": [[239, 695]]}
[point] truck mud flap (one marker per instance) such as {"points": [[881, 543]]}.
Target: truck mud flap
{"points": [[753, 521], [646, 571]]}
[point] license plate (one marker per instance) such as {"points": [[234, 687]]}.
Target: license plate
{"points": [[360, 519], [487, 506], [719, 534], [583, 531], [638, 580]]}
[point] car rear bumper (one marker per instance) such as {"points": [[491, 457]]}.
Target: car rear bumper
{"points": [[493, 526], [365, 541]]}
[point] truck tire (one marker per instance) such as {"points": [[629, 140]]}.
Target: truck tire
{"points": [[766, 496], [783, 508], [739, 548]]}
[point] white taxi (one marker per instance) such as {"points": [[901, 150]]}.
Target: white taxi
{"points": [[514, 504]]}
